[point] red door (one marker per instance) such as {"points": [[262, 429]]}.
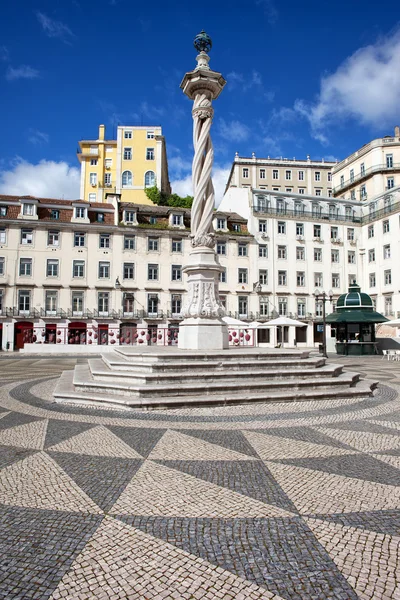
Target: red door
{"points": [[23, 333]]}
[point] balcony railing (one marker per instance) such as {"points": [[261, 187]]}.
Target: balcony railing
{"points": [[382, 168], [309, 215]]}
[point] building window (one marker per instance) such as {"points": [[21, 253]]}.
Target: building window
{"points": [[242, 249], [129, 242], [127, 153], [300, 253], [245, 173], [318, 309], [372, 280], [25, 267], [318, 254], [53, 238], [129, 216], [221, 248], [371, 231], [93, 162], [176, 246], [222, 276], [103, 302], [126, 179], [389, 161], [262, 174], [104, 270], [362, 170], [275, 174], [390, 183], [263, 251], [52, 267], [350, 234], [386, 251], [388, 305], [301, 175], [79, 239], [263, 308], [236, 227], [129, 270], [150, 135], [128, 303], [317, 176], [176, 304], [282, 306], [24, 301], [107, 179], [317, 231], [263, 276], [301, 307], [2, 263], [221, 223], [77, 303], [152, 244], [318, 280], [334, 233], [149, 179], [341, 180], [26, 236], [302, 191], [176, 272], [282, 252], [51, 301], [363, 192], [262, 226], [177, 220], [92, 197], [335, 256], [78, 268], [353, 195], [288, 175], [335, 280], [152, 272], [93, 179], [128, 135], [371, 255], [282, 227], [152, 304], [242, 306], [385, 226], [242, 276], [351, 257], [300, 279], [281, 206], [80, 213], [153, 220], [149, 153], [104, 240], [387, 204], [282, 278], [100, 217], [387, 277]]}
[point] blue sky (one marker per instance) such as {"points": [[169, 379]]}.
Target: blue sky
{"points": [[316, 78]]}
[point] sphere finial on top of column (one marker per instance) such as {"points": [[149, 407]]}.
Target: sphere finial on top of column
{"points": [[202, 42]]}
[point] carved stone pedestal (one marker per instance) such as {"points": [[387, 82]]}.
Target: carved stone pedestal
{"points": [[203, 327]]}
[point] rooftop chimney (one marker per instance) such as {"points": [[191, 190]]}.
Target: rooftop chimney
{"points": [[397, 131], [102, 131]]}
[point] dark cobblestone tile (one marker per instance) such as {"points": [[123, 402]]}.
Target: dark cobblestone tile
{"points": [[102, 478], [15, 418], [59, 431], [250, 478], [280, 554], [37, 547], [304, 434], [234, 440], [395, 452], [383, 521], [359, 466], [364, 427], [141, 439], [10, 455]]}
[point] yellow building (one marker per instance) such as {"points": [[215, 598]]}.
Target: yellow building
{"points": [[126, 166]]}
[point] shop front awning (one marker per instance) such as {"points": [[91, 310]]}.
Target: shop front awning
{"points": [[355, 316]]}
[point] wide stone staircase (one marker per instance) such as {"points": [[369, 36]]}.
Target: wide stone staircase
{"points": [[150, 378]]}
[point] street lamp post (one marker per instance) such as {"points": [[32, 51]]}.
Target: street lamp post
{"points": [[323, 297]]}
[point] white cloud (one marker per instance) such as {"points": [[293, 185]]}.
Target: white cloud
{"points": [[55, 29], [245, 83], [47, 179], [270, 10], [37, 137], [4, 54], [365, 87], [183, 187], [22, 72], [233, 130], [151, 112]]}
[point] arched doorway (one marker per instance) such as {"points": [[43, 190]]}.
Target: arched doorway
{"points": [[77, 333], [23, 334], [127, 334]]}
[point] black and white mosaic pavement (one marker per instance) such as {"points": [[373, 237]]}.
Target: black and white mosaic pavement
{"points": [[279, 501]]}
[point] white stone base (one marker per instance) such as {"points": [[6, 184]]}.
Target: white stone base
{"points": [[203, 334]]}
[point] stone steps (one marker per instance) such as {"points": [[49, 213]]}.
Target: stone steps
{"points": [[103, 371], [65, 392], [149, 355]]}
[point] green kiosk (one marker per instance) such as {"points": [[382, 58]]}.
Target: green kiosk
{"points": [[354, 321]]}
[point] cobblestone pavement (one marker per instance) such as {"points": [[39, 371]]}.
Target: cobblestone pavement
{"points": [[295, 501]]}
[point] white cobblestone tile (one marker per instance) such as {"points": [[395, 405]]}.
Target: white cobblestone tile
{"points": [[98, 441], [363, 441], [31, 435]]}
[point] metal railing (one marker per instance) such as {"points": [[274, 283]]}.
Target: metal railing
{"points": [[309, 215], [364, 174]]}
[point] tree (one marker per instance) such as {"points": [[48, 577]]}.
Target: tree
{"points": [[163, 199]]}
